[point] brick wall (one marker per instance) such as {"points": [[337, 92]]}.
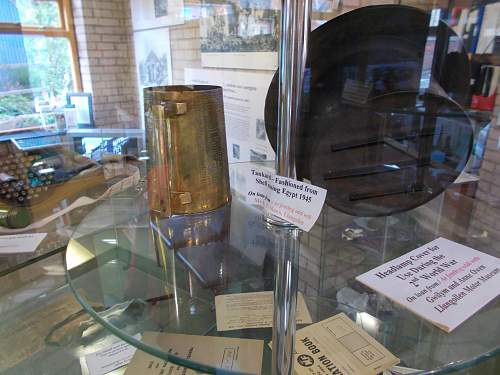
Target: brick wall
{"points": [[185, 49], [106, 51], [105, 47]]}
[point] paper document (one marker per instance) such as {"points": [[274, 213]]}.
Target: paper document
{"points": [[238, 355], [444, 282], [252, 310], [20, 243], [244, 102], [338, 346]]}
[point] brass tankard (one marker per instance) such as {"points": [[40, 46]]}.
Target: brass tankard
{"points": [[186, 141]]}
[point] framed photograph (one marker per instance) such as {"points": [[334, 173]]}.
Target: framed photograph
{"points": [[236, 151], [153, 60], [257, 156], [240, 34], [151, 14], [83, 104], [152, 56], [260, 129]]}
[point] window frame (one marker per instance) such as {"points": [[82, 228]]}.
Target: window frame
{"points": [[66, 30]]}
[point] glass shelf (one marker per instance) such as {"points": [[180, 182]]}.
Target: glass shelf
{"points": [[59, 228], [164, 275]]}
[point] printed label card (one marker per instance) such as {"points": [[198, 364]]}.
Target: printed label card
{"points": [[252, 310], [110, 358], [297, 202], [20, 243], [443, 282]]}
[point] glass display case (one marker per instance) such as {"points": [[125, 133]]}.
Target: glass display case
{"points": [[129, 130], [168, 275]]}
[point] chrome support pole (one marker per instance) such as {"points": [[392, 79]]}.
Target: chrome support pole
{"points": [[295, 27], [285, 299]]}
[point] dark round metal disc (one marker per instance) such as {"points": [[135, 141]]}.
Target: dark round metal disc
{"points": [[382, 126]]}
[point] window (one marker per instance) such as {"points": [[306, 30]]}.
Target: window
{"points": [[38, 61]]}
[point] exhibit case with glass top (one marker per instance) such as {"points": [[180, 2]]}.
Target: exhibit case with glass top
{"points": [[165, 277], [163, 151]]}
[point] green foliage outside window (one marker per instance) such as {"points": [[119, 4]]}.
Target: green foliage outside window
{"points": [[46, 76], [38, 13], [49, 64]]}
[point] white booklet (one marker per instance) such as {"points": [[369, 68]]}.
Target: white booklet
{"points": [[443, 281], [337, 346]]}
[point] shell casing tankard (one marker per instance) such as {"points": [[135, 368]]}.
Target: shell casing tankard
{"points": [[186, 141]]}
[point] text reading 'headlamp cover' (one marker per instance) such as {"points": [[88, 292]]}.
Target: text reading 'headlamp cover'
{"points": [[382, 127]]}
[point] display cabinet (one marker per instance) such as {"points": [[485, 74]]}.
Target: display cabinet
{"points": [[167, 274], [139, 184]]}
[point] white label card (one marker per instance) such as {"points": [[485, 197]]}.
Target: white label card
{"points": [[294, 201], [252, 310], [444, 282], [110, 358], [20, 243]]}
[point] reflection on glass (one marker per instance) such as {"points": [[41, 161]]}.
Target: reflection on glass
{"points": [[200, 241], [387, 126], [406, 150], [384, 129]]}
